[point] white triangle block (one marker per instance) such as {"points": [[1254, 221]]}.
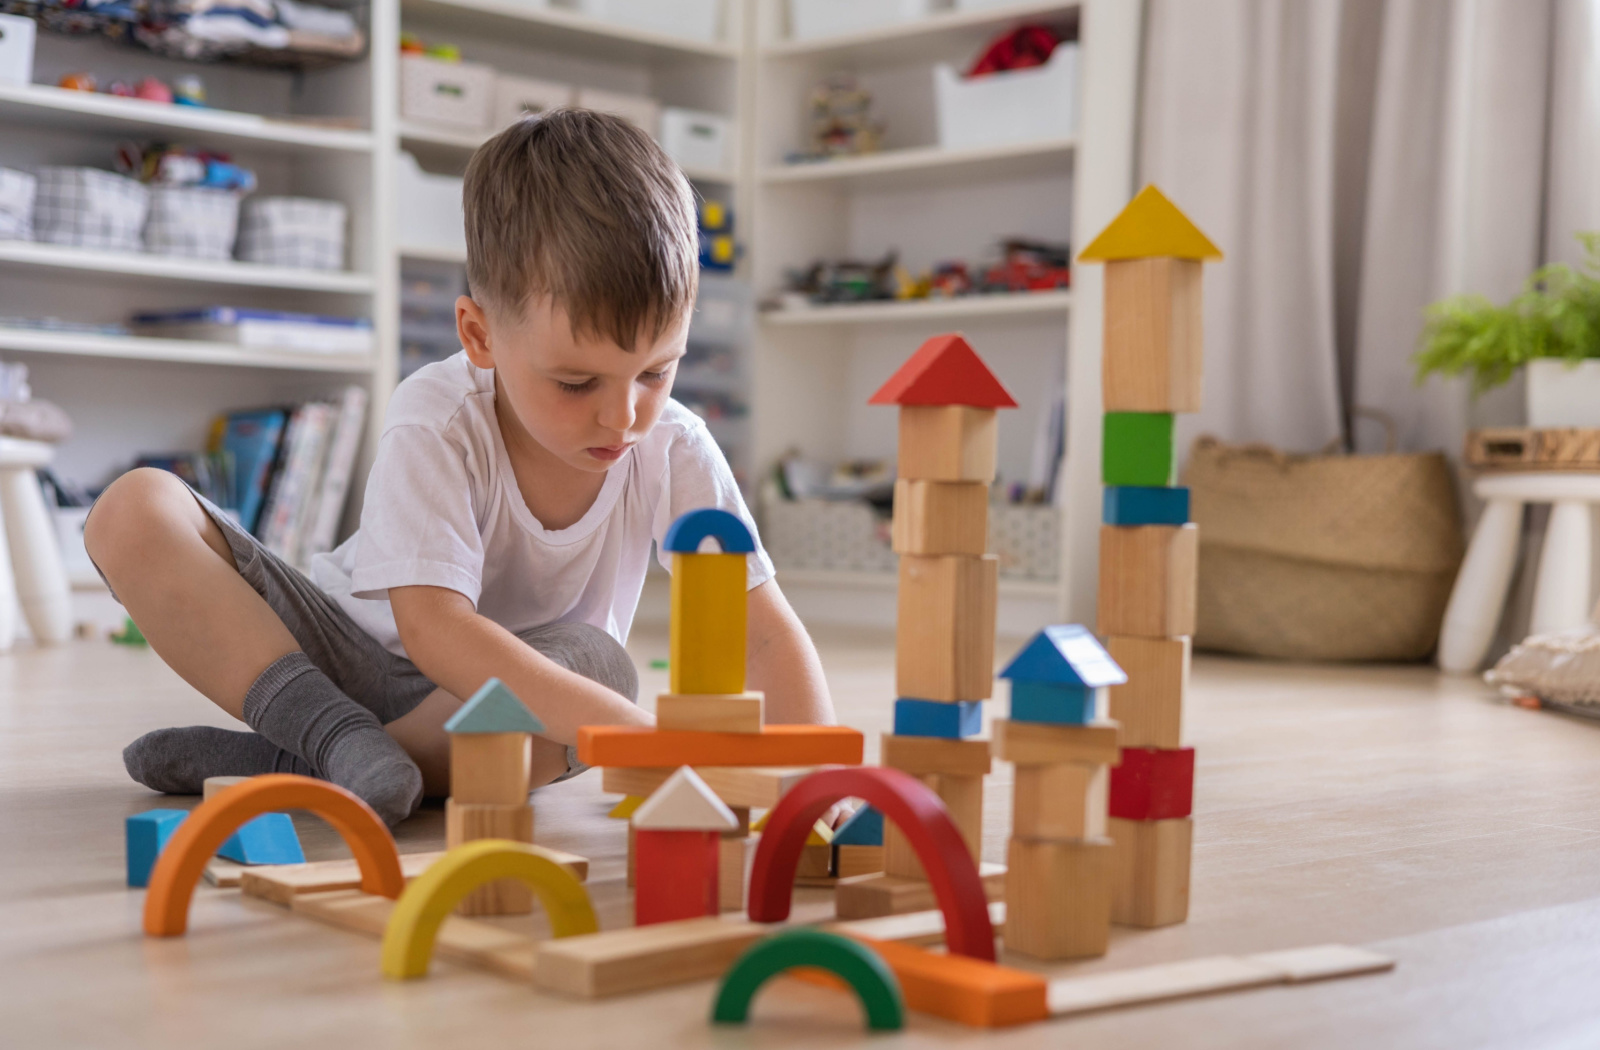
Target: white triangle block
{"points": [[684, 803]]}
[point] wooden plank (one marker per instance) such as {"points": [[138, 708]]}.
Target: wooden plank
{"points": [[1148, 580], [948, 443], [281, 883], [226, 874], [735, 713], [469, 941], [616, 962], [1527, 448], [873, 896], [1152, 352], [940, 517], [963, 989], [1058, 898], [782, 745], [1150, 871], [919, 928], [944, 631], [1039, 744], [1321, 961], [920, 755], [1149, 705], [757, 786]]}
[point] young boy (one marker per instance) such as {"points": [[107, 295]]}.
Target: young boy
{"points": [[507, 521]]}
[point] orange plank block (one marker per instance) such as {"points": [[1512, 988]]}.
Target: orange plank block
{"points": [[781, 745], [960, 988]]}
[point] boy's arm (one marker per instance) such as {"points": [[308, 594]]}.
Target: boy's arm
{"points": [[458, 650], [782, 663]]}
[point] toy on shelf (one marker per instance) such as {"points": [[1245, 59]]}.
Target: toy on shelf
{"points": [[841, 122]]}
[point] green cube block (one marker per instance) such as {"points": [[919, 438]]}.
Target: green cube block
{"points": [[1137, 449]]}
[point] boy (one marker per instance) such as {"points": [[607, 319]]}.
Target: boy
{"points": [[508, 516]]}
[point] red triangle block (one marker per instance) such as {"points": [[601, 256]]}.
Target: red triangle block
{"points": [[944, 371]]}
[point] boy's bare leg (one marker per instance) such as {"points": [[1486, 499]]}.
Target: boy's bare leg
{"points": [[421, 733]]}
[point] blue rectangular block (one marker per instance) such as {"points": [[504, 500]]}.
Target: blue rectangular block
{"points": [[935, 718], [148, 833], [268, 839], [1072, 705], [1143, 505]]}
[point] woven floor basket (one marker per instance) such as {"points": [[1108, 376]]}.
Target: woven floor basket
{"points": [[1322, 557]]}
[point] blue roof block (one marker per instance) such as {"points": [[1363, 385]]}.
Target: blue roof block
{"points": [[494, 709], [268, 839], [1066, 654], [685, 534], [1064, 705], [937, 718], [864, 828], [147, 834]]}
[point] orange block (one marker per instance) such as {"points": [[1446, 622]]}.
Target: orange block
{"points": [[955, 987], [781, 745]]}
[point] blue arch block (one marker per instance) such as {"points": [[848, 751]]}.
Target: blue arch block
{"points": [[148, 833], [268, 839], [935, 718], [685, 534]]}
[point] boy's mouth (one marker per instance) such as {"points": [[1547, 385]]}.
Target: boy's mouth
{"points": [[607, 452]]}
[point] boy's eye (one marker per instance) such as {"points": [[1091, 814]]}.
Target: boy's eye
{"points": [[654, 377], [576, 388]]}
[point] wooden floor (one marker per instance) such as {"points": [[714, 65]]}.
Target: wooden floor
{"points": [[1385, 807]]}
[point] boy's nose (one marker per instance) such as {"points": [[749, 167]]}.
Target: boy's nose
{"points": [[618, 412]]}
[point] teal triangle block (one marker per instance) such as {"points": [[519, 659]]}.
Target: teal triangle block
{"points": [[494, 709], [1066, 654]]}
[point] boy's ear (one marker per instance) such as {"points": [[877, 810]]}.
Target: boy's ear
{"points": [[473, 327]]}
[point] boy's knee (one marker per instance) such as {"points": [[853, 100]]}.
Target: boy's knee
{"points": [[136, 510], [589, 651]]}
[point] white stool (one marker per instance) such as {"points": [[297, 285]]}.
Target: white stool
{"points": [[1561, 593], [33, 576]]}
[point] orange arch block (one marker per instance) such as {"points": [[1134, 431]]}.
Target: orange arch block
{"points": [[178, 870]]}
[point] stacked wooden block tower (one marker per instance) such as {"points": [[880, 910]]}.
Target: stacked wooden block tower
{"points": [[944, 645], [491, 756], [1149, 550]]}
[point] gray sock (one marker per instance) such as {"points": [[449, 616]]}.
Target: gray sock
{"points": [[299, 709], [178, 761]]}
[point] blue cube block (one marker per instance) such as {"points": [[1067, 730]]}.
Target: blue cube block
{"points": [[935, 718], [148, 833], [1072, 705], [268, 839], [864, 828], [1143, 505]]}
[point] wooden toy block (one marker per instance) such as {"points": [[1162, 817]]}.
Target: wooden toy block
{"points": [[816, 865], [1150, 225], [940, 517], [689, 530], [684, 803], [938, 718], [707, 635], [677, 875], [282, 884], [1137, 449], [1148, 580], [1150, 705], [1058, 898], [741, 828], [1066, 654], [813, 955], [493, 709], [616, 962], [1038, 744], [1151, 360], [945, 370], [147, 835], [268, 839], [225, 873], [758, 786], [1144, 505], [944, 635], [490, 768], [962, 796], [1150, 880], [509, 953], [963, 989], [467, 822], [1060, 802], [850, 861], [1153, 784], [711, 714], [1069, 705], [920, 929], [874, 896], [864, 828], [211, 785], [780, 745], [920, 755], [948, 443], [732, 862]]}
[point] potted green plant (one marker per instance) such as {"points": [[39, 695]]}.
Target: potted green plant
{"points": [[1552, 328]]}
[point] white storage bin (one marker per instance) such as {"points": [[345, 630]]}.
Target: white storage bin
{"points": [[640, 110], [518, 97], [1000, 109], [694, 19], [17, 189], [196, 222], [430, 209], [89, 208], [844, 536], [456, 94], [293, 231], [16, 50], [697, 140], [809, 19]]}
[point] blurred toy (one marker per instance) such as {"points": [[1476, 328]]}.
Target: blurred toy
{"points": [[122, 89], [717, 248], [846, 280], [78, 82], [1021, 48], [949, 279], [163, 165], [841, 119], [411, 44], [1028, 266], [153, 90], [189, 90]]}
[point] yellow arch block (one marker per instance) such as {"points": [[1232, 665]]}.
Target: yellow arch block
{"points": [[709, 613], [433, 895]]}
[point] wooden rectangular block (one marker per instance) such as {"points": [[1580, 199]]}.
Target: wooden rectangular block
{"points": [[1144, 505], [919, 755], [470, 822], [940, 517], [1137, 449], [731, 872], [490, 769], [962, 989], [739, 713], [282, 883], [706, 644], [850, 861], [962, 796], [1148, 580], [481, 944], [939, 718], [1153, 784], [759, 786], [816, 863], [1039, 744], [947, 443], [873, 896], [1150, 879], [783, 745], [1060, 802], [615, 962], [944, 632], [1152, 351], [1150, 705], [1058, 898]]}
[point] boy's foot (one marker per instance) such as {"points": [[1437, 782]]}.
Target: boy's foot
{"points": [[178, 761]]}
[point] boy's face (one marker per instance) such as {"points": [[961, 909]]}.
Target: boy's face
{"points": [[585, 400]]}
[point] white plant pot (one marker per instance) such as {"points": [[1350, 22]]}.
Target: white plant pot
{"points": [[1563, 395]]}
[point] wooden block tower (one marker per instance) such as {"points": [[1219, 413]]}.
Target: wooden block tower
{"points": [[678, 831], [1059, 860], [944, 644], [491, 756], [1149, 550]]}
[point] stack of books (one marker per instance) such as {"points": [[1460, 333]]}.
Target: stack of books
{"points": [[261, 329]]}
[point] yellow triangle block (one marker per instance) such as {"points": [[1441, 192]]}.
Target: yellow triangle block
{"points": [[821, 834], [1151, 225], [624, 810]]}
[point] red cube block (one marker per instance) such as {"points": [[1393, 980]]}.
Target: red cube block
{"points": [[1153, 783], [675, 875]]}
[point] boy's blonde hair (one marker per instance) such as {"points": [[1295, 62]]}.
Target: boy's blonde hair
{"points": [[585, 208]]}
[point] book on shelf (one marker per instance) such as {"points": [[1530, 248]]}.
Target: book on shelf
{"points": [[251, 438], [260, 329]]}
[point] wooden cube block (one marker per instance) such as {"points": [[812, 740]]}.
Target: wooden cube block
{"points": [[816, 862], [706, 644], [850, 861], [1041, 744], [490, 768], [1153, 784], [1150, 705], [947, 443], [713, 713], [468, 822], [1152, 350], [963, 797], [920, 755], [1060, 802], [1058, 898], [1148, 580], [731, 872], [1150, 876], [940, 517], [1137, 449], [944, 632]]}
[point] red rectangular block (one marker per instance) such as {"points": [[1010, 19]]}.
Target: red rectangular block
{"points": [[1153, 784], [677, 874], [781, 745]]}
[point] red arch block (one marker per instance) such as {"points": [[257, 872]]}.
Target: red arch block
{"points": [[915, 810], [166, 905]]}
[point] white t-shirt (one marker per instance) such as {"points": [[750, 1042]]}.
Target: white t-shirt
{"points": [[443, 509]]}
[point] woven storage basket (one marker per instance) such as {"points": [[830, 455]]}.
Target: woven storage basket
{"points": [[194, 222], [89, 208], [1322, 557]]}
